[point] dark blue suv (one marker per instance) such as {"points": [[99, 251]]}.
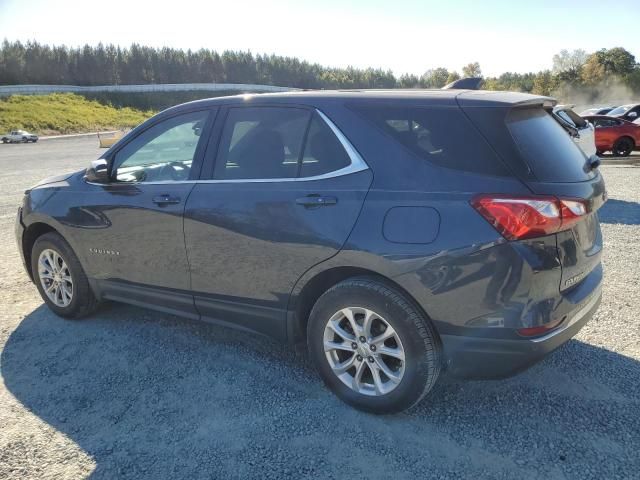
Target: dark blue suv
{"points": [[396, 233]]}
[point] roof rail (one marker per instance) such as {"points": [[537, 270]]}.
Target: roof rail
{"points": [[466, 83]]}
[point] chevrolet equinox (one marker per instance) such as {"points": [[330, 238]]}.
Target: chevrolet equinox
{"points": [[397, 233]]}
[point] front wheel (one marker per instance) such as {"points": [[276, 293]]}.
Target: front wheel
{"points": [[372, 347], [623, 147], [60, 279]]}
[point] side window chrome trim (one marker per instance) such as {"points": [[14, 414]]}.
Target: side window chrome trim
{"points": [[357, 164]]}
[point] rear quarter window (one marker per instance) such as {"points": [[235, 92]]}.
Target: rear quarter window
{"points": [[443, 136]]}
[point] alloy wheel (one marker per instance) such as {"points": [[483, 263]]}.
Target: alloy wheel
{"points": [[364, 351], [55, 277]]}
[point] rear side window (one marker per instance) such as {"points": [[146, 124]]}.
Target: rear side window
{"points": [[440, 135], [277, 143], [545, 146], [606, 122], [261, 143]]}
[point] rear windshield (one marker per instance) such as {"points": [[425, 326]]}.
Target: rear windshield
{"points": [[441, 135], [546, 147], [620, 110]]}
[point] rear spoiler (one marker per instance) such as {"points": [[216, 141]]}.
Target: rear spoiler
{"points": [[467, 83]]}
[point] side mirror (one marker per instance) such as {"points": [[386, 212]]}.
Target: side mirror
{"points": [[98, 171], [633, 114]]}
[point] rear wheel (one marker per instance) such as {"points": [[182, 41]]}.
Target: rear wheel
{"points": [[623, 147], [25, 140], [372, 347], [60, 278]]}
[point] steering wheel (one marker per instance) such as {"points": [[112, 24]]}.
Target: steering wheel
{"points": [[174, 170]]}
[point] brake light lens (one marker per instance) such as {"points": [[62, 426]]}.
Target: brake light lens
{"points": [[517, 218], [541, 329]]}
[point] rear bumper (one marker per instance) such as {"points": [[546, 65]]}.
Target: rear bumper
{"points": [[491, 358]]}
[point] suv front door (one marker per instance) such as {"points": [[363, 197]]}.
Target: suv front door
{"points": [[284, 194], [136, 245]]}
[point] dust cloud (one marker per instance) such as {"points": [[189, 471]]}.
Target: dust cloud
{"points": [[611, 92]]}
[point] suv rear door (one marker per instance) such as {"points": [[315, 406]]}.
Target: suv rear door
{"points": [[279, 194]]}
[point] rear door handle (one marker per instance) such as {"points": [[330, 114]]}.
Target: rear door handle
{"points": [[312, 201], [166, 200]]}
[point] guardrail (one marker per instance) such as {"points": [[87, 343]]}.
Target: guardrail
{"points": [[6, 90]]}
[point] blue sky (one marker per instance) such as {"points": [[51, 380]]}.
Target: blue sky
{"points": [[404, 36]]}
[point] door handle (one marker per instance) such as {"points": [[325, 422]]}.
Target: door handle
{"points": [[314, 201], [165, 200]]}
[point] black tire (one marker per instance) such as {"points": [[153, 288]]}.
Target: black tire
{"points": [[623, 147], [83, 301], [25, 140], [419, 339], [5, 140]]}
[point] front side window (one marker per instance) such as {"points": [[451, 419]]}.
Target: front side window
{"points": [[164, 152], [605, 122]]}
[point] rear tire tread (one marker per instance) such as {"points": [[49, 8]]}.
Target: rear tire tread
{"points": [[432, 359]]}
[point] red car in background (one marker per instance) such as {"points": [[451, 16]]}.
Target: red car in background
{"points": [[615, 135]]}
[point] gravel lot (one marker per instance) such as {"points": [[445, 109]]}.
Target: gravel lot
{"points": [[135, 394]]}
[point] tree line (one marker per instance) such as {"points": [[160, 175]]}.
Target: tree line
{"points": [[35, 63]]}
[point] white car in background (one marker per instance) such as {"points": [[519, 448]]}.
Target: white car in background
{"points": [[19, 136], [580, 130]]}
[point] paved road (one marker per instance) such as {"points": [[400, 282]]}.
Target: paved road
{"points": [[135, 394]]}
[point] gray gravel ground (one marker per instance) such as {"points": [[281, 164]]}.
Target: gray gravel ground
{"points": [[130, 393]]}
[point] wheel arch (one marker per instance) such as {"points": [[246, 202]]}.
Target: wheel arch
{"points": [[625, 137], [311, 289], [29, 237]]}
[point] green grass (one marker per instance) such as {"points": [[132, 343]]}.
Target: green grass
{"points": [[64, 113]]}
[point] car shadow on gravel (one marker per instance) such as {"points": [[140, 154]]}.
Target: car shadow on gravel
{"points": [[620, 211], [148, 395]]}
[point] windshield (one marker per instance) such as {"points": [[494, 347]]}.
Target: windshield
{"points": [[620, 110]]}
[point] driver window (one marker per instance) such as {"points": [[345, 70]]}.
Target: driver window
{"points": [[162, 153]]}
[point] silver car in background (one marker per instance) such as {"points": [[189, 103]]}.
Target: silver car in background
{"points": [[19, 136]]}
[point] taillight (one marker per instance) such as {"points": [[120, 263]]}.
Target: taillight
{"points": [[518, 217], [572, 211], [541, 329]]}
